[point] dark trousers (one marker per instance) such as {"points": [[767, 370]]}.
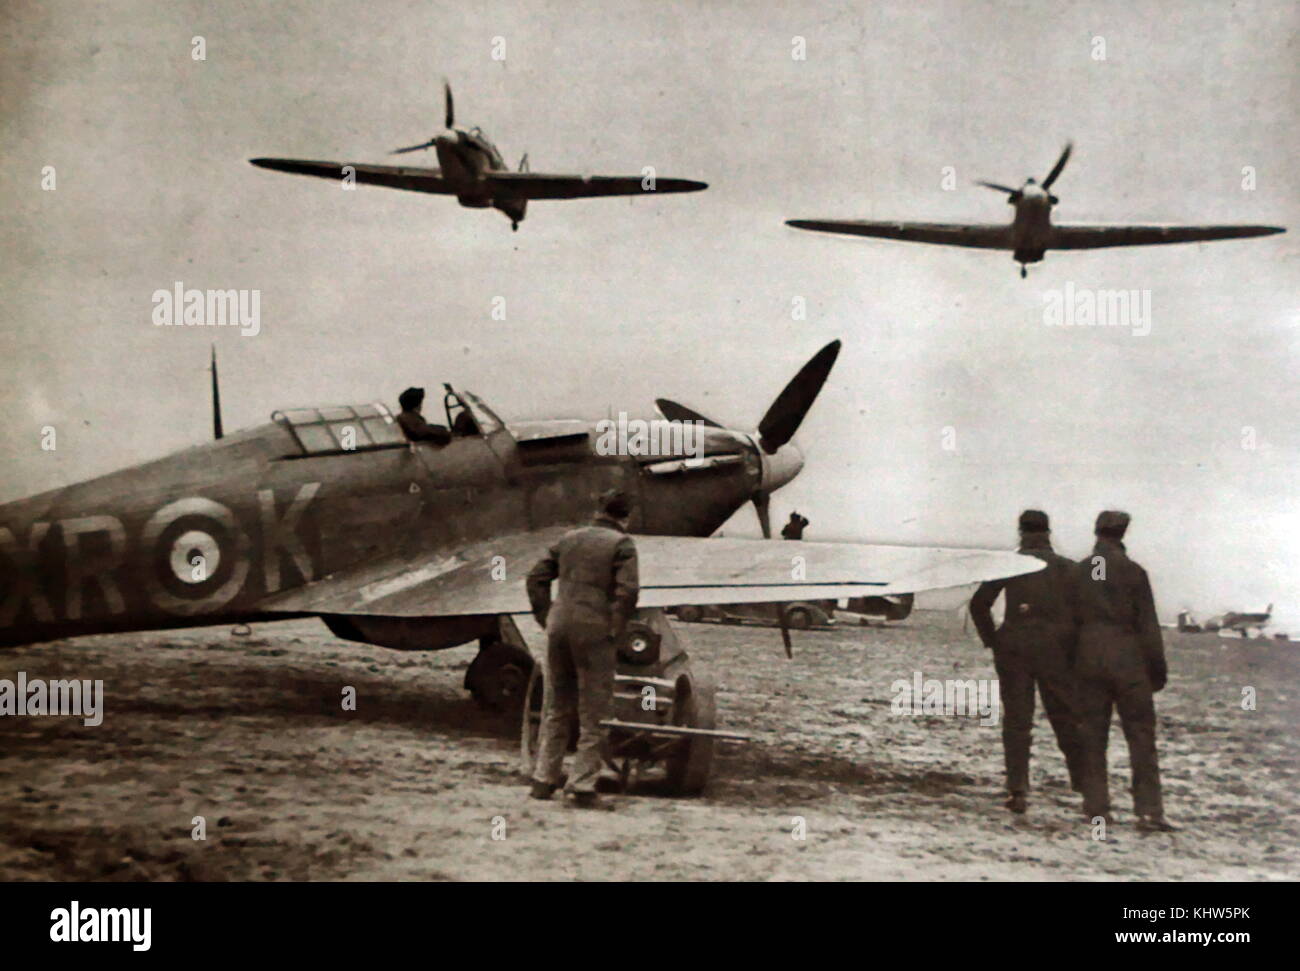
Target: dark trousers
{"points": [[1017, 676], [1130, 694]]}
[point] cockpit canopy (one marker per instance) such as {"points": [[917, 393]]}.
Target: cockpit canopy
{"points": [[363, 428], [479, 137], [343, 428]]}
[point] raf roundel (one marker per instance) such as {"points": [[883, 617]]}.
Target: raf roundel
{"points": [[195, 556], [199, 556]]}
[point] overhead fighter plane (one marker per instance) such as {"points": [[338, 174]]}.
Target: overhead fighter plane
{"points": [[1031, 232], [471, 168], [331, 513]]}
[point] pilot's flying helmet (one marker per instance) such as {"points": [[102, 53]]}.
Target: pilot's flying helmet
{"points": [[411, 398]]}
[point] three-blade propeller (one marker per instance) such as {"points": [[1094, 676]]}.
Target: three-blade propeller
{"points": [[1015, 195], [782, 420]]}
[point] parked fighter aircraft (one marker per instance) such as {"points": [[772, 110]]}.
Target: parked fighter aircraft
{"points": [[1243, 622], [1031, 232], [330, 512], [472, 169], [1240, 622]]}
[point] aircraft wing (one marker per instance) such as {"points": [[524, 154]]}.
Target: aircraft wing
{"points": [[488, 578], [537, 185], [392, 176], [1096, 237], [975, 235]]}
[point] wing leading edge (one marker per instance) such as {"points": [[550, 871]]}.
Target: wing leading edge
{"points": [[405, 177], [973, 235], [674, 570], [515, 185], [1097, 237], [538, 185]]}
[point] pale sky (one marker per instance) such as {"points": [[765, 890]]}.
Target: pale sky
{"points": [[610, 303]]}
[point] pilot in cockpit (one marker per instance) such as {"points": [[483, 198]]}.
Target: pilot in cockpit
{"points": [[413, 423]]}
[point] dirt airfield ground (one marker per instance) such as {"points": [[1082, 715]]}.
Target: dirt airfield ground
{"points": [[414, 785]]}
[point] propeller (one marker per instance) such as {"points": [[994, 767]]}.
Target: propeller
{"points": [[787, 412], [414, 148], [450, 126], [783, 418], [1014, 195], [673, 411], [762, 505], [1060, 164]]}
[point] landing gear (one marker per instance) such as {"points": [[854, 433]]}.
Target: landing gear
{"points": [[498, 675], [514, 224], [1023, 271]]}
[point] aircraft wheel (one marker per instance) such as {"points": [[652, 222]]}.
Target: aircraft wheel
{"points": [[901, 609], [694, 707], [798, 618], [499, 677]]}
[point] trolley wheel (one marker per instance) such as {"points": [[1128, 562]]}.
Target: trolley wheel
{"points": [[694, 707], [530, 723]]}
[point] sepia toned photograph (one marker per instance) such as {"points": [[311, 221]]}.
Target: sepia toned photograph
{"points": [[634, 442]]}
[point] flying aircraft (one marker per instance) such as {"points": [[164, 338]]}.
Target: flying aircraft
{"points": [[330, 512], [1031, 232], [471, 168]]}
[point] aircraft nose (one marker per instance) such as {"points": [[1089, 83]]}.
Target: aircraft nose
{"points": [[782, 467]]}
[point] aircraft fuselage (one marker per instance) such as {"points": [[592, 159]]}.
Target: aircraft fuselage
{"points": [[1031, 229], [465, 159], [206, 535]]}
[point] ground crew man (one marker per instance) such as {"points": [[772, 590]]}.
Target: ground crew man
{"points": [[1120, 664], [1033, 645], [412, 422], [596, 566], [794, 528]]}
